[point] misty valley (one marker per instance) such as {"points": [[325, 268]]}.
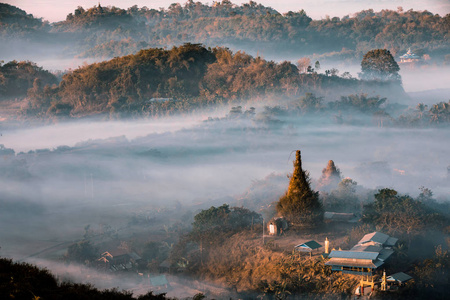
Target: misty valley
{"points": [[175, 161]]}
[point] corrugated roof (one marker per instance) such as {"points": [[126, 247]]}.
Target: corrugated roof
{"points": [[385, 253], [310, 245], [350, 263], [367, 247], [391, 241], [400, 277], [353, 254], [377, 237]]}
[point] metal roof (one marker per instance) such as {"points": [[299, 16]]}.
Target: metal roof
{"points": [[400, 277], [353, 254], [376, 237], [309, 245], [344, 262], [367, 247], [391, 241], [385, 254]]}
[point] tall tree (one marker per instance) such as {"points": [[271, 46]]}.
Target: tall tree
{"points": [[300, 205], [379, 64]]}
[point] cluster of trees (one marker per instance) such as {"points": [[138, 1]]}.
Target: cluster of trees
{"points": [[224, 218], [401, 214], [82, 252], [360, 109], [422, 115], [250, 25], [16, 78]]}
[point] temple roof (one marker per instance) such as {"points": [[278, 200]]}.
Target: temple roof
{"points": [[410, 55]]}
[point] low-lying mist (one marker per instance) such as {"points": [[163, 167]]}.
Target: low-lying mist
{"points": [[56, 179]]}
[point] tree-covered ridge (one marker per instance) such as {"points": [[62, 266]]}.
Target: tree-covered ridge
{"points": [[15, 22], [185, 78], [261, 27], [186, 75], [251, 26]]}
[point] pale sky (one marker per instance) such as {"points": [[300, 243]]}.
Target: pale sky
{"points": [[57, 10]]}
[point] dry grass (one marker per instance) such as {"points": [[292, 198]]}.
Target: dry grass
{"points": [[242, 262]]}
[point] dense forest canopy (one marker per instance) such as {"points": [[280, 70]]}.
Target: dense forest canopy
{"points": [[110, 31]]}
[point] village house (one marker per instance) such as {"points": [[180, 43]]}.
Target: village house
{"points": [[365, 257], [117, 260], [277, 226]]}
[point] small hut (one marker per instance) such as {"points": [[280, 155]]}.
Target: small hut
{"points": [[398, 279], [277, 226], [308, 247]]}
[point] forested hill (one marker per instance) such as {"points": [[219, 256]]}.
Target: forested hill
{"points": [[111, 31], [16, 22], [157, 81]]}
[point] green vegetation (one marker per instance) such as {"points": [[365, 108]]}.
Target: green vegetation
{"points": [[224, 218], [81, 252], [300, 205], [400, 214], [379, 64], [16, 78]]}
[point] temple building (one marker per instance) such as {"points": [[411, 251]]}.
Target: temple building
{"points": [[409, 57], [365, 257]]}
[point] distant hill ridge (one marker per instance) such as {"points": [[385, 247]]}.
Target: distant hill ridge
{"points": [[110, 31]]}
